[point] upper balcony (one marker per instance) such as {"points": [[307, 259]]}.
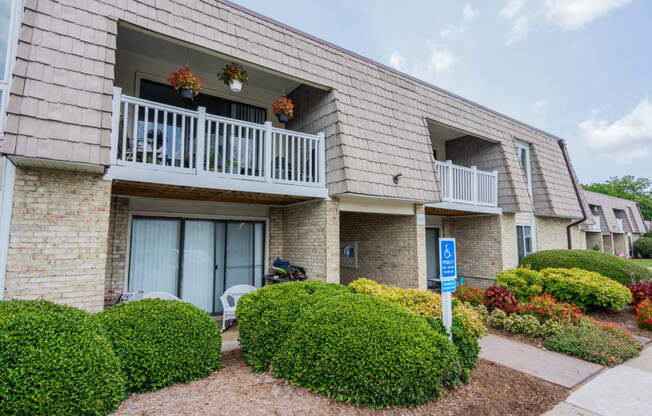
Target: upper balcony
{"points": [[158, 143], [596, 226]]}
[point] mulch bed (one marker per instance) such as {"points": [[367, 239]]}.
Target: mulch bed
{"points": [[625, 318], [235, 390]]}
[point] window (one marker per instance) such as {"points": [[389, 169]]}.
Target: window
{"points": [[10, 16], [523, 150], [523, 241]]}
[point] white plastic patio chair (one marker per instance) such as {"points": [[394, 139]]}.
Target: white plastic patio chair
{"points": [[160, 295], [234, 292]]}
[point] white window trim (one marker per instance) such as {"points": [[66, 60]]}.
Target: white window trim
{"points": [[532, 237], [15, 21], [528, 176]]}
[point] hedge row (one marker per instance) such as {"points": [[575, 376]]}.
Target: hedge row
{"points": [[621, 270], [586, 289], [348, 346], [58, 360]]}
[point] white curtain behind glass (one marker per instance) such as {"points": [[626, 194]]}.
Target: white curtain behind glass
{"points": [[198, 264], [154, 262]]}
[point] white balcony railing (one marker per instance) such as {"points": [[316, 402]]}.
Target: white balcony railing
{"points": [[158, 137], [595, 227], [464, 185]]}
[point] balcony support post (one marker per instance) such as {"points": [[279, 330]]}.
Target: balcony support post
{"points": [[495, 190], [322, 158], [115, 123], [474, 185], [449, 167]]}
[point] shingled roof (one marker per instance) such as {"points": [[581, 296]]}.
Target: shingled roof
{"points": [[607, 203]]}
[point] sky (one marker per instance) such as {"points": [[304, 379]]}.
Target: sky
{"points": [[579, 69]]}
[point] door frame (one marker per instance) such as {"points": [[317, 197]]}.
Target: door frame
{"points": [[181, 217], [439, 232]]}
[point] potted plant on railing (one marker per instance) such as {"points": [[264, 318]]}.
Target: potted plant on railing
{"points": [[234, 76], [283, 109], [185, 82]]}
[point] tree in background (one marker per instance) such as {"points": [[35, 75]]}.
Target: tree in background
{"points": [[627, 187]]}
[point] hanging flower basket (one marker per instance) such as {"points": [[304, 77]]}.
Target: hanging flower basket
{"points": [[283, 109], [185, 82], [234, 76]]}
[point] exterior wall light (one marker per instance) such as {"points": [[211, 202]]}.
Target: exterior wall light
{"points": [[396, 177]]}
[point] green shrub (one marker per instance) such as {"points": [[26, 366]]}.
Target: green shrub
{"points": [[368, 352], [643, 247], [55, 360], [551, 327], [596, 247], [497, 318], [162, 342], [522, 282], [468, 325], [588, 290], [600, 342], [266, 316], [523, 324], [620, 270]]}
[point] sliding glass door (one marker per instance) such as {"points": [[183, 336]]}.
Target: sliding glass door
{"points": [[195, 260]]}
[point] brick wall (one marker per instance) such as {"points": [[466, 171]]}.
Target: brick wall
{"points": [[551, 234], [592, 239], [391, 248], [607, 244], [508, 238], [478, 244], [307, 235], [57, 240], [620, 244], [117, 245]]}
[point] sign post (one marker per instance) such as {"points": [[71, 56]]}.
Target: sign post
{"points": [[448, 276]]}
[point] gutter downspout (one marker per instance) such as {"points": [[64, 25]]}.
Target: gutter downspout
{"points": [[564, 152]]}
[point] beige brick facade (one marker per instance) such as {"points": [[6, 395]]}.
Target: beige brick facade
{"points": [[508, 247], [551, 234], [620, 245], [58, 237], [593, 239], [117, 245], [608, 243], [307, 235], [391, 248]]}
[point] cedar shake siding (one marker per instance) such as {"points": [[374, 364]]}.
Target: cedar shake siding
{"points": [[375, 118]]}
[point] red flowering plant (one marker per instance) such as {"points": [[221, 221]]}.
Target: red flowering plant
{"points": [[469, 294], [184, 78], [233, 71], [640, 291], [283, 106], [545, 307], [644, 314]]}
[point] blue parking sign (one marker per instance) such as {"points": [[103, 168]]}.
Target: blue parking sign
{"points": [[447, 259]]}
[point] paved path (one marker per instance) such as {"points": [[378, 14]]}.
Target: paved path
{"points": [[622, 390], [556, 368]]}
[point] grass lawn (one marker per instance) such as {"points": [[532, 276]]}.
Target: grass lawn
{"points": [[643, 262]]}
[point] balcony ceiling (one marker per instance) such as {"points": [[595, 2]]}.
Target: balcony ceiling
{"points": [[155, 46]]}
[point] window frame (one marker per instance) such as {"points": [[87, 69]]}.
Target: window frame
{"points": [[525, 147], [531, 236], [15, 20]]}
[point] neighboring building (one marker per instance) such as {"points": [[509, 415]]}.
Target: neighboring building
{"points": [[111, 181], [617, 223]]}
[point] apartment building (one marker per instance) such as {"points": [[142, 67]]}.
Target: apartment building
{"points": [[617, 223], [112, 181]]}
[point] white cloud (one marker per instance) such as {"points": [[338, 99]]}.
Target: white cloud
{"points": [[397, 61], [626, 140], [512, 8], [575, 14], [519, 30], [468, 13], [453, 31], [441, 60]]}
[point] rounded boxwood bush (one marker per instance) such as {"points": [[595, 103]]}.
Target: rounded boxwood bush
{"points": [[55, 360], [162, 342], [621, 270], [643, 247], [367, 351], [588, 290], [266, 315], [522, 282]]}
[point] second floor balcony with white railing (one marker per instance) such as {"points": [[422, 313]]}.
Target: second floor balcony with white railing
{"points": [[462, 185], [158, 143]]}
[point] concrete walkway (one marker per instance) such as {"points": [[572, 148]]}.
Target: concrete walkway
{"points": [[556, 368], [622, 390]]}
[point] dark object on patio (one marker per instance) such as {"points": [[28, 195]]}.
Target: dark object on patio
{"points": [[283, 271]]}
